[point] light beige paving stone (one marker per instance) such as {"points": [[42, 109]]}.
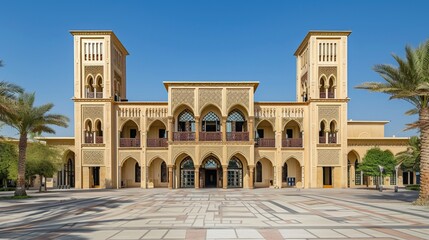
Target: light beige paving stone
{"points": [[130, 234], [221, 234], [374, 233], [155, 234], [296, 233], [175, 234], [351, 233], [248, 234], [326, 233]]}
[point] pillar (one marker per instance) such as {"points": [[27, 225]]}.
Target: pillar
{"points": [[352, 175], [251, 172], [251, 129], [197, 128], [326, 136], [170, 129], [170, 177], [225, 177], [223, 129], [197, 176]]}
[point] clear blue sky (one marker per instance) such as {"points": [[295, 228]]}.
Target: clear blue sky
{"points": [[208, 40]]}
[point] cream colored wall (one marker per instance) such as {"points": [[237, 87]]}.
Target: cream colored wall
{"points": [[295, 129], [155, 174], [268, 129], [128, 173], [267, 173], [365, 129], [153, 132]]}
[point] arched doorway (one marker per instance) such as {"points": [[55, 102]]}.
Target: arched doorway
{"points": [[158, 173], [291, 173], [235, 173], [264, 173], [66, 176], [130, 173], [187, 173], [211, 172], [354, 177]]}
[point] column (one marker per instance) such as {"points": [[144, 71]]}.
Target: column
{"points": [[352, 175], [251, 172], [223, 129], [94, 134], [225, 177], [170, 129], [170, 177], [251, 129], [326, 136], [197, 176], [326, 91], [197, 128]]}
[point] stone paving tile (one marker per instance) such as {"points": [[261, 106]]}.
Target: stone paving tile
{"points": [[154, 234], [221, 234], [271, 234], [248, 234], [196, 234], [352, 233], [326, 233], [296, 233], [130, 234], [175, 234]]}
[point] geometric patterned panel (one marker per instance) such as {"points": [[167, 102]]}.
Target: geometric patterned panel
{"points": [[328, 71], [329, 113], [93, 157], [151, 155], [211, 96], [182, 96], [237, 96], [125, 155], [92, 112], [93, 70], [328, 157]]}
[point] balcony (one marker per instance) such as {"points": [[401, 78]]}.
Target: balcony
{"points": [[265, 142], [129, 142], [210, 136], [157, 142], [89, 95], [99, 139], [292, 142], [322, 140], [99, 95], [331, 95], [322, 94], [237, 136], [92, 94], [184, 136]]}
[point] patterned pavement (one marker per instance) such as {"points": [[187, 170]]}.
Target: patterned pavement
{"points": [[215, 214]]}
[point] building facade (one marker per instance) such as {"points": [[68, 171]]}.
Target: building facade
{"points": [[213, 134]]}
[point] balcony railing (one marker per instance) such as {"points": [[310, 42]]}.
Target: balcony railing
{"points": [[184, 136], [292, 142], [237, 136], [265, 142], [322, 139], [99, 95], [331, 95], [96, 94], [210, 136], [332, 139], [129, 142], [89, 137], [157, 142], [322, 94], [90, 95], [99, 139]]}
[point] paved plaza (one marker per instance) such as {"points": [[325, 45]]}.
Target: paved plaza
{"points": [[214, 214]]}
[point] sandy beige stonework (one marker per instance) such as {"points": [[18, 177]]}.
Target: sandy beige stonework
{"points": [[213, 134]]}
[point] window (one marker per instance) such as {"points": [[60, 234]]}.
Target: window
{"points": [[161, 133], [284, 173], [235, 122], [133, 133], [260, 133], [258, 172], [137, 173], [289, 133], [164, 174], [211, 123], [186, 121]]}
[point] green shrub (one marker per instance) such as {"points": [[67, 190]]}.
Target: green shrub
{"points": [[413, 187]]}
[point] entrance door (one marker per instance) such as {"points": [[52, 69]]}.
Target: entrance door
{"points": [[96, 176], [327, 177], [211, 176]]}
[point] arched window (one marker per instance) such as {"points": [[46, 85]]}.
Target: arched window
{"points": [[284, 173], [99, 87], [90, 87], [187, 173], [332, 132], [88, 133], [258, 172], [358, 174], [164, 173], [322, 137], [211, 163], [211, 123], [98, 132], [70, 168], [186, 121], [322, 88], [235, 122], [331, 89], [137, 173], [235, 173]]}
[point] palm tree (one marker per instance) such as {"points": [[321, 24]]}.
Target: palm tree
{"points": [[410, 158], [8, 93], [27, 119], [410, 82]]}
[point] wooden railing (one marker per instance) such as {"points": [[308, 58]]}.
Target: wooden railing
{"points": [[210, 136], [237, 136], [129, 142], [265, 142], [157, 142], [184, 136], [99, 139], [292, 142]]}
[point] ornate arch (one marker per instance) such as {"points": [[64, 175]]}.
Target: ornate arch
{"points": [[128, 158], [295, 120], [125, 122]]}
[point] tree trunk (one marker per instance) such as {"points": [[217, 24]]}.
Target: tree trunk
{"points": [[424, 157], [20, 188]]}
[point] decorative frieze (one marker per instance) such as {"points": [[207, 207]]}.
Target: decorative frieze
{"points": [[182, 96], [237, 96], [328, 71], [92, 112], [209, 96], [328, 157], [329, 113], [93, 70], [93, 157]]}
